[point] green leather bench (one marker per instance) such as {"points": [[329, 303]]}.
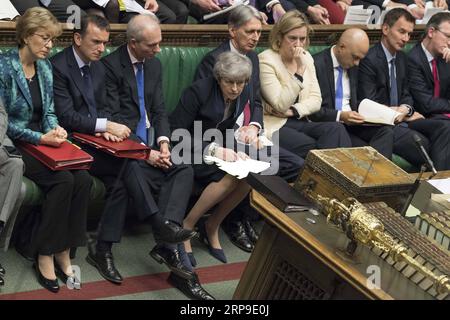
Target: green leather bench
{"points": [[179, 65]]}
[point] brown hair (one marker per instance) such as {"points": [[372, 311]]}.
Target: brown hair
{"points": [[393, 15], [291, 20], [34, 19]]}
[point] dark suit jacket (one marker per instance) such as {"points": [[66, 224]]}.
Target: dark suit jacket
{"points": [[373, 77], [122, 94], [325, 76], [422, 84], [203, 101], [205, 69], [70, 94]]}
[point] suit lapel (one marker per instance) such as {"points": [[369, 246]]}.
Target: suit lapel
{"points": [[75, 73], [129, 75], [21, 81], [353, 76], [425, 64], [331, 81]]}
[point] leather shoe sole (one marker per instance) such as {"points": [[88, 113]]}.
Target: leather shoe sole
{"points": [[186, 274], [191, 288], [94, 263]]}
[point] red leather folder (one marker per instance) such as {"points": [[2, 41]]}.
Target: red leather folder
{"points": [[65, 157], [125, 149]]}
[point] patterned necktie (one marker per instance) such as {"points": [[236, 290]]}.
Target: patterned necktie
{"points": [[394, 93], [89, 90], [141, 130], [339, 90]]}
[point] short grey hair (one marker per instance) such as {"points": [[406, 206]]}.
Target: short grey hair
{"points": [[138, 24], [232, 66], [243, 14]]}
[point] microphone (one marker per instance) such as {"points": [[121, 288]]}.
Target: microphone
{"points": [[424, 153]]}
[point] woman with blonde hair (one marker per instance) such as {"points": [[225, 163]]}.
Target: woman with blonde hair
{"points": [[291, 92], [26, 88]]}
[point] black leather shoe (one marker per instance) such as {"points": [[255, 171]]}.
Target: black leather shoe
{"points": [[251, 232], [71, 281], [2, 271], [171, 258], [237, 235], [49, 284], [105, 265], [172, 233], [190, 287]]}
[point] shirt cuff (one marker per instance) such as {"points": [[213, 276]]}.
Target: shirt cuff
{"points": [[385, 3], [270, 4], [256, 124], [162, 138], [100, 125], [338, 116]]}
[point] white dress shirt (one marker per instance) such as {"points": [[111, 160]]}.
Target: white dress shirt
{"points": [[345, 84]]}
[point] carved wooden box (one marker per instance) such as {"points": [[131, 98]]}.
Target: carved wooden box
{"points": [[362, 173]]}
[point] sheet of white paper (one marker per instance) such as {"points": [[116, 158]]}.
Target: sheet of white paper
{"points": [[377, 113], [133, 6], [101, 3], [357, 15], [443, 185], [235, 4], [241, 168], [8, 11]]}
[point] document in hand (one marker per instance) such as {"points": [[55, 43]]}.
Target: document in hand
{"points": [[358, 15], [224, 10], [374, 112], [430, 10], [241, 168], [125, 149], [279, 193], [8, 11], [65, 157]]}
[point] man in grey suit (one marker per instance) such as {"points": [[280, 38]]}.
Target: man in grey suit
{"points": [[11, 171]]}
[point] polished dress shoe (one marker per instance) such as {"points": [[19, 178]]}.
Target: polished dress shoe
{"points": [[172, 233], [72, 282], [251, 232], [2, 271], [219, 254], [171, 258], [237, 235], [104, 262], [49, 284], [190, 287]]}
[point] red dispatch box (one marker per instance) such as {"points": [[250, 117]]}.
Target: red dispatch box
{"points": [[65, 157], [125, 149]]}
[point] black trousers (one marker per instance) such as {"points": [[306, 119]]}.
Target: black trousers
{"points": [[381, 138], [435, 135], [169, 12], [298, 136], [62, 223]]}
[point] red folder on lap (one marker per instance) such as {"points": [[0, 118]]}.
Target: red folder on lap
{"points": [[125, 149], [65, 157]]}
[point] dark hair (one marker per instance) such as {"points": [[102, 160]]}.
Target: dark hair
{"points": [[393, 15], [96, 20], [436, 21]]}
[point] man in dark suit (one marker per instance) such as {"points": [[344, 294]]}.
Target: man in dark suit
{"points": [[337, 73], [244, 26], [429, 69], [81, 105], [135, 99], [383, 78]]}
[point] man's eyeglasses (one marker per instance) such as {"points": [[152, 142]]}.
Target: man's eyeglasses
{"points": [[45, 39]]}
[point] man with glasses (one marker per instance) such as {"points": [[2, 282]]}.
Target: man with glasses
{"points": [[429, 69]]}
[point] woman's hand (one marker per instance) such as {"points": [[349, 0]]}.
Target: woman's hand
{"points": [[52, 138], [299, 54], [61, 132]]}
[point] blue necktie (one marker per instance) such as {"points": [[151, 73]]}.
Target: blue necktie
{"points": [[394, 94], [339, 90], [89, 87], [141, 130]]}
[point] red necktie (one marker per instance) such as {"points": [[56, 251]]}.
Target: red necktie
{"points": [[247, 114], [437, 85]]}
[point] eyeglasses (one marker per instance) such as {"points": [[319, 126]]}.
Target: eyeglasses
{"points": [[45, 39], [447, 35]]}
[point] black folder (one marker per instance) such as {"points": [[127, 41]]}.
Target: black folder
{"points": [[279, 193]]}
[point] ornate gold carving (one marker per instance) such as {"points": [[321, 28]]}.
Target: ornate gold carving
{"points": [[362, 227]]}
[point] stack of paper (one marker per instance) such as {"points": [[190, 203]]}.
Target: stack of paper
{"points": [[374, 112], [240, 168], [357, 15], [8, 11]]}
